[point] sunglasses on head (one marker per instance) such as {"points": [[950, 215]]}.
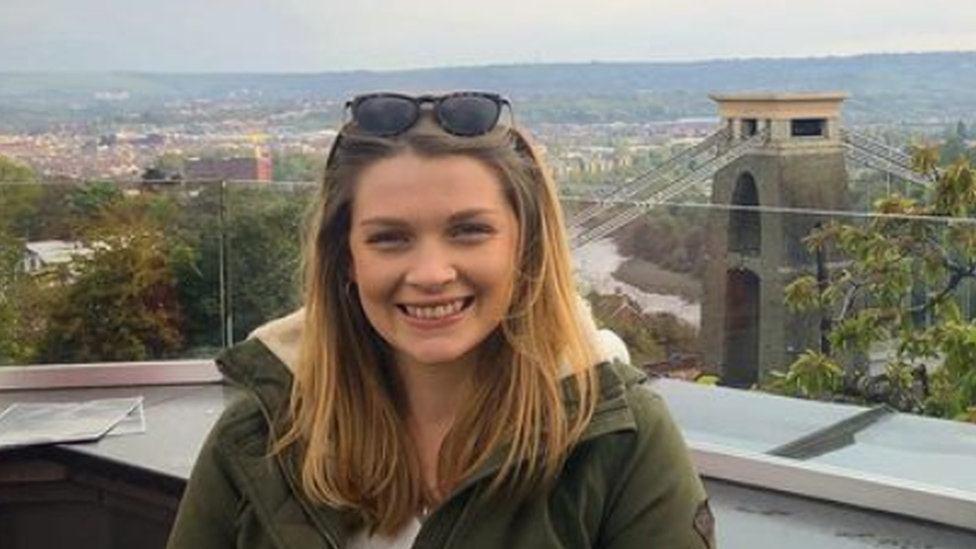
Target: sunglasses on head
{"points": [[465, 114]]}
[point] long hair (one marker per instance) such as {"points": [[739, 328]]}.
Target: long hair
{"points": [[346, 423]]}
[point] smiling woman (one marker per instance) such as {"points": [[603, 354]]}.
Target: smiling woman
{"points": [[442, 385], [433, 245]]}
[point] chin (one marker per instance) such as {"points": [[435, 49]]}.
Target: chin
{"points": [[438, 357]]}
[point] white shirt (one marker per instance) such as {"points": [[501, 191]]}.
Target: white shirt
{"points": [[403, 540]]}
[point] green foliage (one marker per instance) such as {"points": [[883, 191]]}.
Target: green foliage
{"points": [[10, 254], [164, 263], [650, 337], [812, 375], [258, 238], [955, 146], [899, 279], [298, 166], [90, 200], [19, 207], [169, 163], [36, 211], [673, 239], [11, 172], [263, 254], [119, 300], [20, 201], [953, 387], [804, 294]]}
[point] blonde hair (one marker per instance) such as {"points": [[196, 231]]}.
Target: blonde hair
{"points": [[345, 420]]}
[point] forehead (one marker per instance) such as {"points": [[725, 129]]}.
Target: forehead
{"points": [[411, 186]]}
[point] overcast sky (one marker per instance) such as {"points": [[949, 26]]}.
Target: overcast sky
{"points": [[326, 35]]}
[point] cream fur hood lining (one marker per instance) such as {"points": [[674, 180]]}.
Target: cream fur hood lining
{"points": [[283, 337]]}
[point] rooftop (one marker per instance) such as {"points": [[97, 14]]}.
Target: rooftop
{"points": [[883, 486]]}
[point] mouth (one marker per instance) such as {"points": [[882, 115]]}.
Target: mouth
{"points": [[436, 311]]}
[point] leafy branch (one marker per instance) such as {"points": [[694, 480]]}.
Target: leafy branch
{"points": [[897, 279]]}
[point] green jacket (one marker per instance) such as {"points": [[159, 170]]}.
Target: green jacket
{"points": [[629, 484]]}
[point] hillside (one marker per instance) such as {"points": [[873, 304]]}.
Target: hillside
{"points": [[921, 87]]}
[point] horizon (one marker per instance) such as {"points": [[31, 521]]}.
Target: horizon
{"points": [[326, 36], [491, 65]]}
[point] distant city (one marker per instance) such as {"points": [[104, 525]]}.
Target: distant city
{"points": [[235, 149], [593, 119]]}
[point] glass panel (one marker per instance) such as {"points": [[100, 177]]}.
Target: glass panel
{"points": [[745, 420], [103, 272], [941, 453], [263, 224]]}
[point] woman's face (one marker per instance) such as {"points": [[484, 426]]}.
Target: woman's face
{"points": [[433, 243]]}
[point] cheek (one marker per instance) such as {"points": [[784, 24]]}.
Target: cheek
{"points": [[500, 276], [366, 274], [373, 282]]}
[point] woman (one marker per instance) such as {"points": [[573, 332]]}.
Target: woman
{"points": [[442, 386]]}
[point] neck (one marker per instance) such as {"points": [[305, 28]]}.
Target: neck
{"points": [[434, 393]]}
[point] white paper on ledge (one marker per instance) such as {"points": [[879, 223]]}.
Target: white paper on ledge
{"points": [[31, 423]]}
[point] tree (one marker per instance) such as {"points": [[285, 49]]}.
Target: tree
{"points": [[263, 238], [11, 172], [297, 166], [17, 204], [90, 200], [25, 300], [672, 239], [119, 302], [955, 146], [10, 255], [901, 282], [248, 238], [650, 337], [169, 163]]}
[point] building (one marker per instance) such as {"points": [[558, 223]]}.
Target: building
{"points": [[755, 248], [249, 168], [46, 254]]}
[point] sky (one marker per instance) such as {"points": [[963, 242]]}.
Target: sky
{"points": [[338, 35]]}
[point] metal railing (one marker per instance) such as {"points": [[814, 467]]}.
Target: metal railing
{"points": [[874, 154], [619, 210], [669, 170]]}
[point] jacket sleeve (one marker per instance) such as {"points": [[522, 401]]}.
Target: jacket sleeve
{"points": [[207, 513], [657, 499]]}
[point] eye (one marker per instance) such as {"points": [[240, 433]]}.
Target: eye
{"points": [[388, 239], [472, 232]]}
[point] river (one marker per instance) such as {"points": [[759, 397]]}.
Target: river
{"points": [[595, 264]]}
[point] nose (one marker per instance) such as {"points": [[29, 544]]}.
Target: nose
{"points": [[432, 267]]}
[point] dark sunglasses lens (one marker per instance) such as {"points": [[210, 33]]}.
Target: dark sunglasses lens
{"points": [[385, 115], [468, 115]]}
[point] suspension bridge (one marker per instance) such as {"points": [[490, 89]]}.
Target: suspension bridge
{"points": [[603, 213]]}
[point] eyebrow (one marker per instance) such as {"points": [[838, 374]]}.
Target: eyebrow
{"points": [[456, 217]]}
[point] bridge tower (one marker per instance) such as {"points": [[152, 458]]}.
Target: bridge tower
{"points": [[755, 235]]}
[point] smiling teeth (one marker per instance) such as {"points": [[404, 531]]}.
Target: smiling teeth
{"points": [[439, 311]]}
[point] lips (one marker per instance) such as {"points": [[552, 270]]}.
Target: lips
{"points": [[436, 311]]}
